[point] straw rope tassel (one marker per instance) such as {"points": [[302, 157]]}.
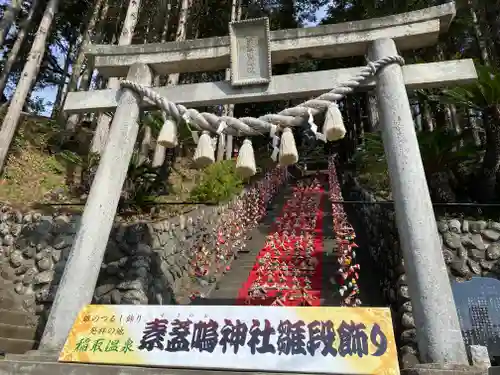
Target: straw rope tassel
{"points": [[333, 127], [168, 134], [245, 164], [288, 149], [204, 154]]}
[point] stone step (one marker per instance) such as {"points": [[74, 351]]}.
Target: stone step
{"points": [[51, 368], [17, 332], [32, 356], [18, 318], [16, 346], [8, 303]]}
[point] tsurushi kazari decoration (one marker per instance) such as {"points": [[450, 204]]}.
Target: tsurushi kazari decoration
{"points": [[348, 271], [288, 270]]}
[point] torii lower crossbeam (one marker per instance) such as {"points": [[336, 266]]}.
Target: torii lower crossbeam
{"points": [[283, 87]]}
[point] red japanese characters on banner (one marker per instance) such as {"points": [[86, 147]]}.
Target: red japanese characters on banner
{"points": [[348, 272], [288, 271]]}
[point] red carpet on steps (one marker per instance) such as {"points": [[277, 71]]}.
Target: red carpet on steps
{"points": [[288, 270]]}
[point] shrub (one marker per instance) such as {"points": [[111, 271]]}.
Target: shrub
{"points": [[218, 183]]}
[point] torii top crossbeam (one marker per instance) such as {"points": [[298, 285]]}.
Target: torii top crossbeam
{"points": [[251, 39], [410, 30]]}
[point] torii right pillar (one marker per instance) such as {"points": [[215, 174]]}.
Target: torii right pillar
{"points": [[438, 329]]}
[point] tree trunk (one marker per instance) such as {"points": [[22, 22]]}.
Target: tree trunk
{"points": [[173, 79], [8, 19], [490, 21], [160, 151], [26, 81], [102, 129], [164, 37], [61, 89], [494, 19], [417, 116], [21, 35], [428, 123], [491, 161], [221, 144], [359, 122], [447, 108], [472, 119], [76, 68], [160, 21], [373, 112], [86, 78], [145, 145], [229, 108], [478, 34]]}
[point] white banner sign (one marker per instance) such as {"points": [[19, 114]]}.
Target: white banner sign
{"points": [[337, 340]]}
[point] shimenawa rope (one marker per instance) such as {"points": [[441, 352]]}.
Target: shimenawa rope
{"points": [[333, 127]]}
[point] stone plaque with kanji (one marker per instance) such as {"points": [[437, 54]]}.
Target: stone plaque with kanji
{"points": [[250, 52], [478, 307]]}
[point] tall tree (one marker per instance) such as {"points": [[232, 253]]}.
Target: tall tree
{"points": [[28, 76], [14, 52], [129, 24], [160, 152], [173, 79], [229, 108], [86, 77], [478, 33], [180, 35], [8, 19], [76, 68]]}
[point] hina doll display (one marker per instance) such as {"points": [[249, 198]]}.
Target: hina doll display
{"points": [[348, 272], [288, 268]]}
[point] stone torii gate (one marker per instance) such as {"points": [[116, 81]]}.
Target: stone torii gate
{"points": [[250, 50]]}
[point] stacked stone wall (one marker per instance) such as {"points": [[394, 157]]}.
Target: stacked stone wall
{"points": [[145, 262], [471, 248], [382, 243]]}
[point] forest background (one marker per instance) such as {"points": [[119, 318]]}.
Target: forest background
{"points": [[51, 161]]}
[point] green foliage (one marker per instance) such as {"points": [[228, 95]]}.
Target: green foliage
{"points": [[444, 150], [219, 183], [35, 133], [483, 93], [371, 165], [71, 157], [87, 166], [441, 150], [483, 97], [371, 157], [142, 184], [154, 121]]}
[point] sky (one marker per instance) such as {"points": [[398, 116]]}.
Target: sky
{"points": [[48, 94]]}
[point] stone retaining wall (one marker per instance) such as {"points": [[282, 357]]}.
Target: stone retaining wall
{"points": [[145, 263], [470, 248], [378, 223]]}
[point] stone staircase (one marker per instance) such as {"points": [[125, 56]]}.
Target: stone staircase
{"points": [[43, 364], [25, 367], [226, 291], [18, 328]]}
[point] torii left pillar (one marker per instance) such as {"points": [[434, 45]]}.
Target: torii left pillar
{"points": [[79, 279]]}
